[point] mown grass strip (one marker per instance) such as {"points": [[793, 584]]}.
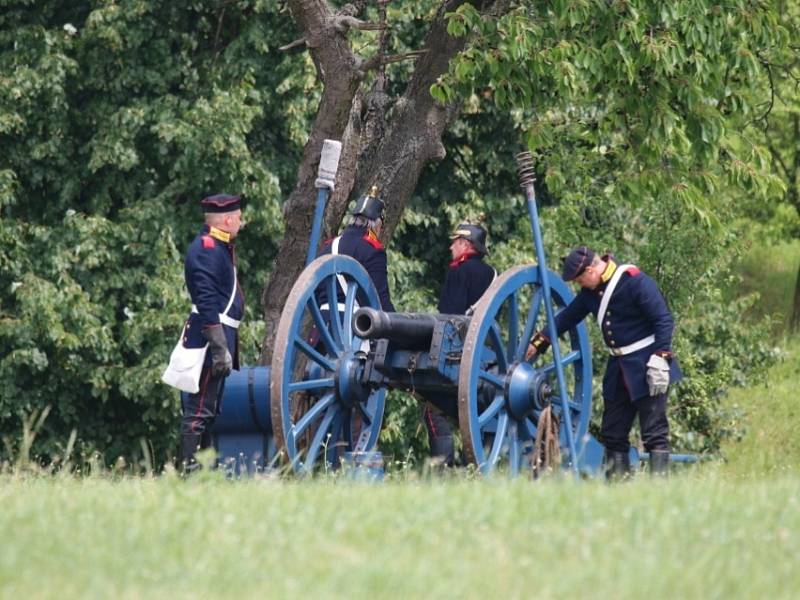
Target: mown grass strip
{"points": [[697, 535]]}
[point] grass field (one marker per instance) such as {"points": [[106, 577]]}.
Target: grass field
{"points": [[695, 536]]}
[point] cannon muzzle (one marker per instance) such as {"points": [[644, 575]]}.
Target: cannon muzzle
{"points": [[410, 331]]}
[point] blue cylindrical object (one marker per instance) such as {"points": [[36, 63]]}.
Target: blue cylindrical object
{"points": [[245, 403], [364, 466]]}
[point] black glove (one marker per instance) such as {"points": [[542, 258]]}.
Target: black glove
{"points": [[221, 361], [538, 344]]}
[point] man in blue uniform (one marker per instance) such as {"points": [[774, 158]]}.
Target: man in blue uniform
{"points": [[637, 328], [466, 280], [360, 240], [217, 308]]}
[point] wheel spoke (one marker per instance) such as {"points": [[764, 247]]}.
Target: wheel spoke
{"points": [[491, 411], [334, 441], [319, 437], [514, 451], [333, 304], [530, 323], [497, 341], [318, 358], [311, 384], [513, 325], [556, 401], [528, 427], [312, 414], [566, 359], [349, 302], [499, 439], [492, 378], [365, 416], [360, 439], [322, 327]]}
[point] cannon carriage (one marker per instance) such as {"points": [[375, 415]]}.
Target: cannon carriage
{"points": [[332, 368], [337, 387]]}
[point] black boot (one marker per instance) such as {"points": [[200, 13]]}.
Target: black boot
{"points": [[659, 463], [442, 450], [190, 442], [618, 466]]}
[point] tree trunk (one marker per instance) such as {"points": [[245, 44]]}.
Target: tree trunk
{"points": [[332, 54], [391, 156]]}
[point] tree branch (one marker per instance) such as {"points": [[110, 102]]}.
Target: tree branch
{"points": [[293, 44], [379, 60], [345, 22]]}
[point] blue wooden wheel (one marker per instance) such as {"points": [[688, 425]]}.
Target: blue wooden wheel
{"points": [[319, 408], [500, 395]]}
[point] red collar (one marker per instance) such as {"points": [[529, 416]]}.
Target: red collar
{"points": [[464, 257]]}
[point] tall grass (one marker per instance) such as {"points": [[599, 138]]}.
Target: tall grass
{"points": [[771, 443], [771, 270]]}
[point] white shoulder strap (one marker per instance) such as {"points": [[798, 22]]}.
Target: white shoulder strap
{"points": [[233, 293], [612, 285], [339, 276]]}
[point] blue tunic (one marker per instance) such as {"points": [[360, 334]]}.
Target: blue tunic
{"points": [[636, 310], [466, 280], [209, 272], [360, 244]]}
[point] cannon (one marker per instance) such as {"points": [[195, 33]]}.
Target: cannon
{"points": [[336, 388]]}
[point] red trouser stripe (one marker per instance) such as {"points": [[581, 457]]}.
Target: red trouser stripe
{"points": [[430, 421], [202, 395]]}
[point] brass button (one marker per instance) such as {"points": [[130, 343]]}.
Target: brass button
{"points": [[609, 332], [600, 292], [608, 312], [613, 343], [608, 322]]}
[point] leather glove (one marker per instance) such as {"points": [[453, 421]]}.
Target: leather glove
{"points": [[657, 374], [539, 343], [221, 361]]}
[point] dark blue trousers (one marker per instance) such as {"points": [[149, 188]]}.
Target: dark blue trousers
{"points": [[436, 415], [619, 411], [199, 412]]}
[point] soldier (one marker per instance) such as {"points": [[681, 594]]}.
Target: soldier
{"points": [[360, 240], [217, 308], [637, 329], [466, 280]]}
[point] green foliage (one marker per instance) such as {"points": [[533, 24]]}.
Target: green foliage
{"points": [[651, 97], [114, 120]]}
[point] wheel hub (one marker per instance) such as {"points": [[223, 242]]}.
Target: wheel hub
{"points": [[526, 390], [347, 379]]}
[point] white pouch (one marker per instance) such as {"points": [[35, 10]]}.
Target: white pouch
{"points": [[185, 365]]}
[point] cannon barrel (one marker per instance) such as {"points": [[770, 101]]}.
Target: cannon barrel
{"points": [[411, 331], [407, 331]]}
